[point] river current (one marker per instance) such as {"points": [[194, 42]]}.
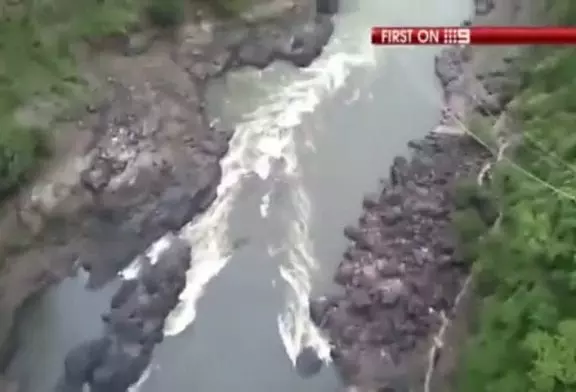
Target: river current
{"points": [[308, 144]]}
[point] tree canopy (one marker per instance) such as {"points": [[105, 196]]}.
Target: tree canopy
{"points": [[524, 333]]}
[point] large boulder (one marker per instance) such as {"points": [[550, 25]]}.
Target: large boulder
{"points": [[308, 362], [81, 361], [307, 42], [256, 54]]}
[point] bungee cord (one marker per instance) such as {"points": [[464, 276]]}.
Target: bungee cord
{"points": [[435, 99]]}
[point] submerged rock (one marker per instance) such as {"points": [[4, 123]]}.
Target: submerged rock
{"points": [[308, 362]]}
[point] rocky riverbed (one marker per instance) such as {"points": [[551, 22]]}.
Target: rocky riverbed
{"points": [[403, 270], [133, 326], [150, 164], [403, 273], [157, 163]]}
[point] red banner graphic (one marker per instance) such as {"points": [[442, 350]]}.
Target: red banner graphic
{"points": [[474, 35]]}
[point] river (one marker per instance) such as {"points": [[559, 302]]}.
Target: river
{"points": [[308, 144]]}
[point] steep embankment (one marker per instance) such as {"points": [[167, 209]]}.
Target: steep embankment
{"points": [[524, 323], [408, 270], [149, 160]]}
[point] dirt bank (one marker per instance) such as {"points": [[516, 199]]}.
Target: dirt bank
{"points": [[145, 160], [404, 276]]}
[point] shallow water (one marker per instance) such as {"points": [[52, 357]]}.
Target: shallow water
{"points": [[309, 144]]}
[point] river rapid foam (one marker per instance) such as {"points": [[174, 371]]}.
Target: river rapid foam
{"points": [[266, 136]]}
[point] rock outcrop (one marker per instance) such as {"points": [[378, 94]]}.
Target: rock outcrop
{"points": [[297, 40], [133, 326], [403, 272], [156, 160], [308, 363]]}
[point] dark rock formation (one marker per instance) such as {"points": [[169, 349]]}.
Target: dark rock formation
{"points": [[154, 164], [307, 43], [149, 174], [402, 269], [134, 326], [308, 363], [298, 42]]}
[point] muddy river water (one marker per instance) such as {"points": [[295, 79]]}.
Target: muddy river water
{"points": [[309, 143]]}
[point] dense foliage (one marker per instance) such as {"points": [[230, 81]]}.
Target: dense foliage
{"points": [[37, 62], [524, 333]]}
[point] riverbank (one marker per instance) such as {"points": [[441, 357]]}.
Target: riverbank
{"points": [[522, 331], [147, 160], [406, 276]]}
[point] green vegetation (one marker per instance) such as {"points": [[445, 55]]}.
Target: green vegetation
{"points": [[475, 213], [38, 39], [37, 63], [524, 332]]}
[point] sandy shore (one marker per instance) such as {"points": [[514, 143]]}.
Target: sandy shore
{"points": [[398, 321]]}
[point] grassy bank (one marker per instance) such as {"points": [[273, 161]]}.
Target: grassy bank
{"points": [[37, 63], [524, 330]]}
